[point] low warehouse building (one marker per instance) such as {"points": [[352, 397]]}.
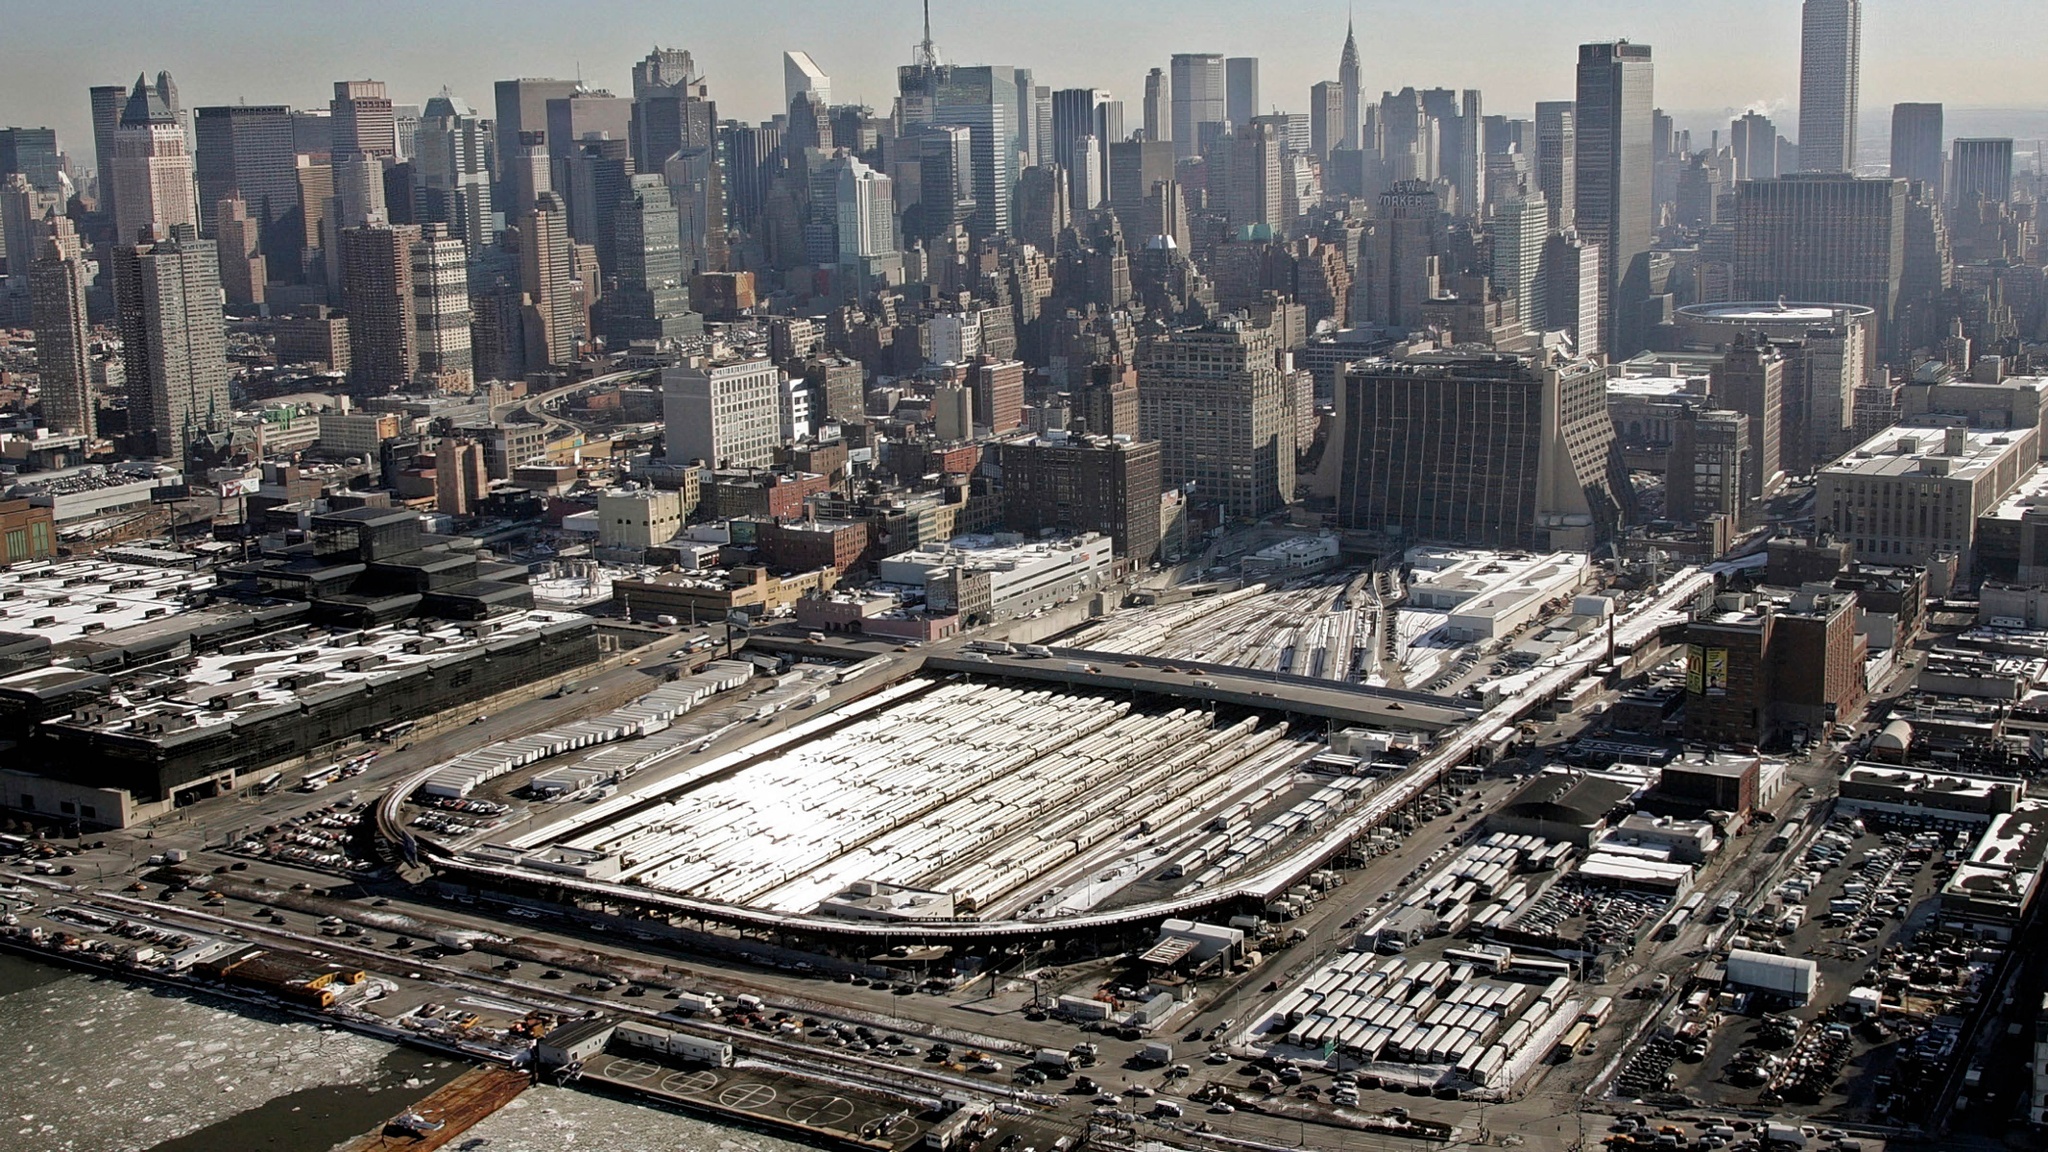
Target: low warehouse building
{"points": [[1561, 806], [574, 1043], [1991, 892], [1786, 978]]}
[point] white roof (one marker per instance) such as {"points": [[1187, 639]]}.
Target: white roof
{"points": [[1786, 975]]}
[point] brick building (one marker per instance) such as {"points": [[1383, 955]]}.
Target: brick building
{"points": [[1086, 484], [773, 495]]}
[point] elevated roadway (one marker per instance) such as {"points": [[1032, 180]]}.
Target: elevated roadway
{"points": [[538, 405]]}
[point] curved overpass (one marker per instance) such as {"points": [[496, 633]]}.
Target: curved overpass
{"points": [[1261, 887], [536, 405]]}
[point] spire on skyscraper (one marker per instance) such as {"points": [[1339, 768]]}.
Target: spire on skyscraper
{"points": [[1349, 84]]}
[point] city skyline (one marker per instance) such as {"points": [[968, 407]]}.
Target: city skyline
{"points": [[1297, 46]]}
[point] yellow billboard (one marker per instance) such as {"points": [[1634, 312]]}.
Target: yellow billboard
{"points": [[1717, 670]]}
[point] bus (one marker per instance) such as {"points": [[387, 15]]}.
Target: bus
{"points": [[1494, 962], [390, 732], [315, 781], [1542, 968], [1686, 912], [1786, 834], [1725, 906], [269, 784], [1575, 1038]]}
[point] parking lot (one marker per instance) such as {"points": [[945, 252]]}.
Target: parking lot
{"points": [[1869, 895]]}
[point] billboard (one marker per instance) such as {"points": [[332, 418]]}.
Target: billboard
{"points": [[1717, 670], [1696, 669], [247, 486]]}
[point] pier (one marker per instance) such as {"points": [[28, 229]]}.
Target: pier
{"points": [[457, 1106]]}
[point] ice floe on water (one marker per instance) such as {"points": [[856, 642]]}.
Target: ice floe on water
{"points": [[549, 1119], [99, 1066]]}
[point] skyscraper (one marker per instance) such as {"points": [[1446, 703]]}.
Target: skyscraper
{"points": [[584, 114], [363, 120], [173, 341], [1198, 99], [1044, 206], [440, 309], [243, 269], [1499, 451], [1572, 287], [945, 180], [696, 184], [801, 76], [1241, 90], [1830, 57], [522, 107], [22, 210], [107, 102], [1158, 107], [1613, 178], [1250, 169], [1520, 228], [1401, 257], [1750, 379], [56, 295], [1348, 82], [153, 190], [1135, 167], [547, 273], [1556, 160], [358, 191], [865, 202], [1216, 402], [451, 158], [1753, 137], [1075, 119], [246, 153], [651, 297], [990, 160], [598, 172], [33, 153], [1822, 238], [1325, 119], [1917, 152], [666, 68], [377, 291], [1981, 169]]}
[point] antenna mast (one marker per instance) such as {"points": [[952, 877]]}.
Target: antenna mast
{"points": [[927, 52]]}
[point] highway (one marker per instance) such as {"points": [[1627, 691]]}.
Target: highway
{"points": [[538, 405]]}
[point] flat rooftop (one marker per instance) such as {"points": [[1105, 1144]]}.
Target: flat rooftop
{"points": [[1947, 783], [1655, 387], [2016, 840], [1910, 451], [71, 599], [2032, 493], [276, 670]]}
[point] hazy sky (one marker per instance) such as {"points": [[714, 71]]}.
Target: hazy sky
{"points": [[1711, 55]]}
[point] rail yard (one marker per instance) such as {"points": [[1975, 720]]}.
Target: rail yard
{"points": [[1179, 892]]}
